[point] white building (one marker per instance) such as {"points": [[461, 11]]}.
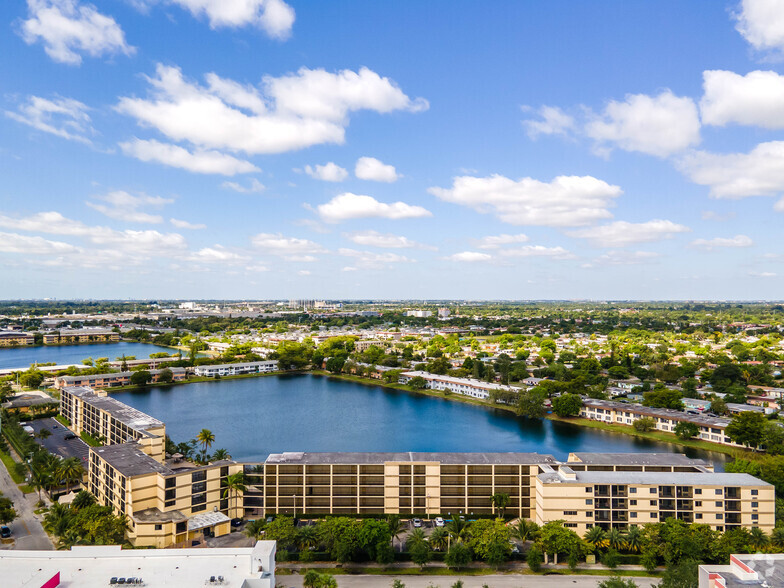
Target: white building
{"points": [[420, 313], [106, 565], [235, 369], [464, 386]]}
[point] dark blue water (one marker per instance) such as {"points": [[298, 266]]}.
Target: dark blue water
{"points": [[23, 357], [254, 417]]}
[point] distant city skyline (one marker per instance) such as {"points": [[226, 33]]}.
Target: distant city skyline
{"points": [[262, 149]]}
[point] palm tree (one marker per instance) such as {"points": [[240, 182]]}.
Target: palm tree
{"points": [[417, 536], [525, 530], [206, 438], [220, 455], [43, 434], [83, 499], [758, 540], [596, 537], [70, 471], [234, 484], [777, 537], [500, 501], [457, 529], [439, 538], [615, 538], [255, 529], [633, 539], [39, 480], [396, 527], [307, 538]]}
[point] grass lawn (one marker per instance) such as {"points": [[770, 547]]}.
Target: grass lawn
{"points": [[62, 420], [25, 489], [9, 464], [89, 439]]}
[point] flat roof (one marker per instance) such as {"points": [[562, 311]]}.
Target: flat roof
{"points": [[95, 566], [129, 460], [668, 413], [135, 419], [656, 478], [410, 456], [674, 459]]}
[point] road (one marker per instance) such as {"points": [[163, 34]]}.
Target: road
{"points": [[26, 529], [492, 581]]}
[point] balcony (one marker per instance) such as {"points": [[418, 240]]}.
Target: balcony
{"points": [[666, 492], [620, 504], [732, 518], [732, 505], [684, 504], [619, 491], [732, 493], [620, 516], [685, 492], [602, 503], [668, 504], [601, 516]]}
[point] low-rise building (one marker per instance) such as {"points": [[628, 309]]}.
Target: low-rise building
{"points": [[114, 379], [465, 386], [16, 339], [235, 369], [105, 565], [71, 336]]}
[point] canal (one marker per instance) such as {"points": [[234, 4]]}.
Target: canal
{"points": [[23, 357], [254, 417]]}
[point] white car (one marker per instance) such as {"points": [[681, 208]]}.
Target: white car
{"points": [[417, 523], [439, 522]]}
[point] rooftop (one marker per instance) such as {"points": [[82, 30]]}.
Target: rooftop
{"points": [[130, 461], [668, 413], [380, 458], [135, 419], [673, 459], [655, 478]]}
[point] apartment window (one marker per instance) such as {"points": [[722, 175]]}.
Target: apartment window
{"points": [[171, 482], [653, 490], [719, 503], [199, 507], [570, 513], [224, 471], [698, 503], [182, 527], [632, 490], [170, 494], [633, 515], [198, 499], [719, 516], [754, 517], [589, 501], [698, 516], [572, 525], [199, 476], [589, 489], [653, 502], [158, 527], [199, 487], [654, 515], [754, 492], [632, 503], [718, 491], [754, 504], [698, 490]]}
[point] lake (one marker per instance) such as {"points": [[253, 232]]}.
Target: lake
{"points": [[25, 356], [253, 417]]}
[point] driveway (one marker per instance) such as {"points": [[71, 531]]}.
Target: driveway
{"points": [[492, 581], [56, 443], [26, 528]]}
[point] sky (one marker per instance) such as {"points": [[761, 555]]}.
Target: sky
{"points": [[262, 149]]}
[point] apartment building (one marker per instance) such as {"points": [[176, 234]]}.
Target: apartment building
{"points": [[617, 499], [99, 415], [235, 369], [71, 336], [464, 386], [15, 339], [114, 379], [167, 503], [398, 483], [711, 428]]}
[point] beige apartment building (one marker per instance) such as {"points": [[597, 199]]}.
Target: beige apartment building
{"points": [[114, 379], [71, 336], [15, 339]]}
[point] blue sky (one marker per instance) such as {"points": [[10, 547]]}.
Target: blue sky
{"points": [[269, 149]]}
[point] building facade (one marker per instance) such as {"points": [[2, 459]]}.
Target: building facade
{"points": [[236, 369], [16, 339], [114, 379], [72, 336], [464, 386]]}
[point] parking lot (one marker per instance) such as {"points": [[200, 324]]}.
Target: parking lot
{"points": [[56, 442]]}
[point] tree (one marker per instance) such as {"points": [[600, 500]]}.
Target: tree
{"points": [[7, 512], [255, 529], [141, 378], [439, 539], [458, 556], [335, 365], [525, 530], [567, 405], [644, 424], [719, 406], [617, 582], [233, 485], [220, 455], [69, 471], [535, 558], [557, 539], [747, 428], [686, 430], [663, 398], [206, 438], [82, 499], [165, 376], [395, 526], [489, 540], [611, 558], [597, 537], [43, 434], [417, 383], [32, 378], [420, 553], [683, 574], [500, 501], [633, 539], [530, 403]]}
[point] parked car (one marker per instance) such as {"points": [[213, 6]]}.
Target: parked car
{"points": [[69, 436], [5, 532], [417, 523], [236, 522], [439, 522]]}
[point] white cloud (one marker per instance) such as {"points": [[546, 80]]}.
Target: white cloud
{"points": [[761, 22], [277, 244], [622, 233], [537, 251], [370, 168], [566, 201], [736, 241], [554, 121], [218, 254], [274, 17], [121, 205], [349, 268], [496, 241], [294, 111], [68, 29], [200, 161], [183, 224], [738, 175], [255, 187], [329, 172], [370, 260], [348, 206], [384, 241], [658, 125], [303, 273], [712, 215], [754, 99], [762, 274], [16, 243], [63, 117], [624, 258], [779, 206], [469, 256]]}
